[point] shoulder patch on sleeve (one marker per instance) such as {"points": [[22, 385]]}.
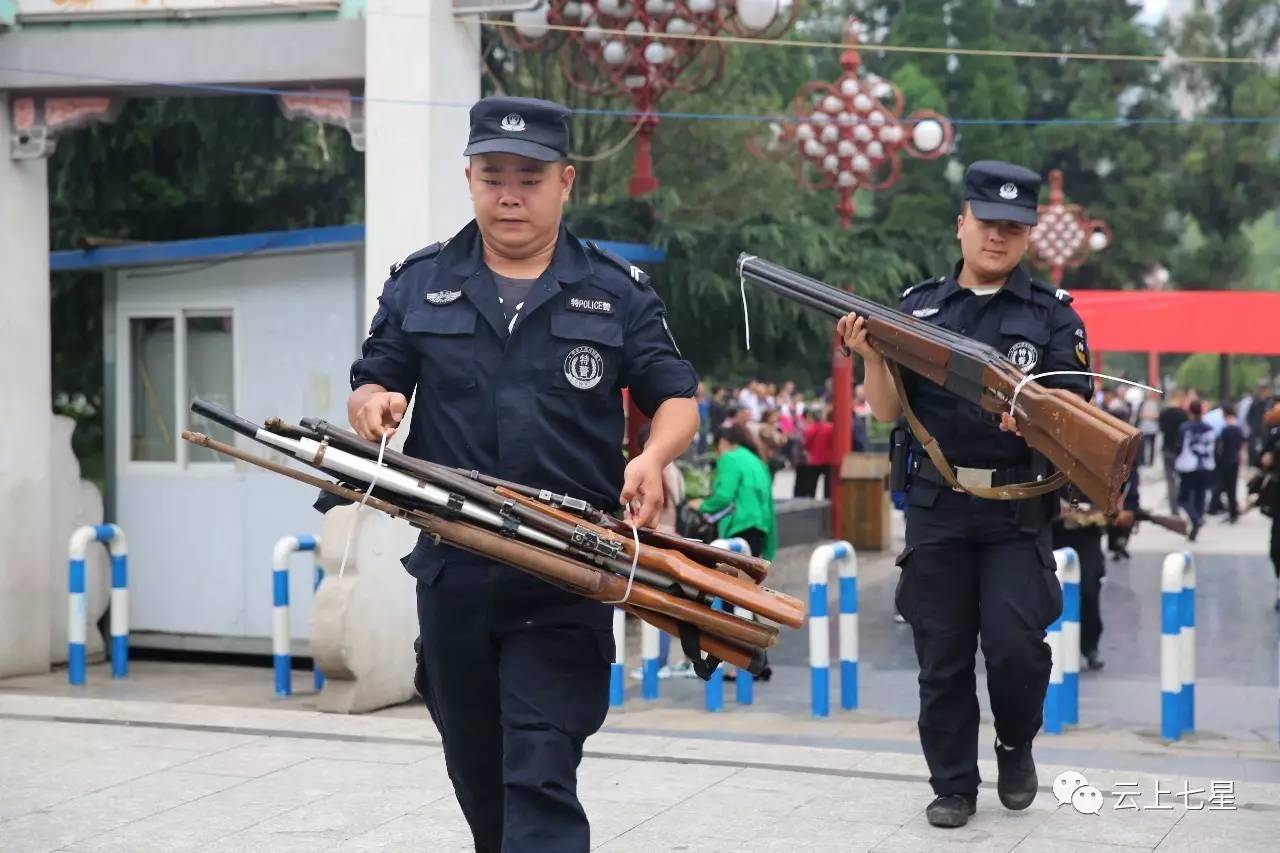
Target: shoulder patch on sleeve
{"points": [[928, 282], [1058, 293], [633, 272], [429, 252]]}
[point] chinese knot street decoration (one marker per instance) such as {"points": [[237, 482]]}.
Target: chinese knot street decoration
{"points": [[850, 134], [616, 47], [1065, 235]]}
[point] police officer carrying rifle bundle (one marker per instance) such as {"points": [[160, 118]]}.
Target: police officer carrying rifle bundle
{"points": [[972, 566], [518, 339]]}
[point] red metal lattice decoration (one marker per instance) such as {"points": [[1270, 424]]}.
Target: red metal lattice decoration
{"points": [[619, 50], [1065, 235], [850, 134]]}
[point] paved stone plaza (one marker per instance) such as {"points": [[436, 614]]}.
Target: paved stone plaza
{"points": [[118, 775]]}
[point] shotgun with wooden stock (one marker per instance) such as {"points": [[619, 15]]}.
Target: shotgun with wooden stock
{"points": [[548, 536], [1090, 448]]}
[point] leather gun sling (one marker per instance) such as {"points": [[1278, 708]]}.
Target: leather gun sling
{"points": [[1010, 492]]}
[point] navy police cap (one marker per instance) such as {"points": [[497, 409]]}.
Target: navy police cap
{"points": [[1002, 191], [527, 127]]}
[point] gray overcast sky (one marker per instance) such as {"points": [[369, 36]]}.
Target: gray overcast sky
{"points": [[1153, 10]]}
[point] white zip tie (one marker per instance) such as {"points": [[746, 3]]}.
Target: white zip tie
{"points": [[1017, 389], [635, 559], [742, 287], [355, 522]]}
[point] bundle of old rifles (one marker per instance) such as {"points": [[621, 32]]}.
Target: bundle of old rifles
{"points": [[1093, 449], [670, 583]]}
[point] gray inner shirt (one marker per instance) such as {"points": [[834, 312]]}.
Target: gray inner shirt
{"points": [[512, 293]]}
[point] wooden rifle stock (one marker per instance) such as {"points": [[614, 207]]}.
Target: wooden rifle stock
{"points": [[1093, 449], [554, 568], [755, 567], [761, 601], [1168, 522]]}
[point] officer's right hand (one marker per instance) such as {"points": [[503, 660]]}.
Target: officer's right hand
{"points": [[852, 330], [380, 415]]}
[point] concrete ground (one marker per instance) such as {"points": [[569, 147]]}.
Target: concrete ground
{"points": [[201, 757], [84, 775]]}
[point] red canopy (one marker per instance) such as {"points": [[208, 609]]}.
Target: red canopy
{"points": [[1216, 321]]}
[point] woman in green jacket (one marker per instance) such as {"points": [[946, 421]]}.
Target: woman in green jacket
{"points": [[743, 492]]}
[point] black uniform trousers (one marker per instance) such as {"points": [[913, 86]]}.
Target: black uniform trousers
{"points": [[1087, 542], [515, 680], [969, 570]]}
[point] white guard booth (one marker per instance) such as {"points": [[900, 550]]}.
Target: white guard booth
{"points": [[265, 324]]}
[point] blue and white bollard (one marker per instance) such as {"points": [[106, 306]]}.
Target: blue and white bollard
{"points": [[1187, 645], [1053, 694], [714, 688], [1173, 670], [745, 681], [285, 548], [820, 628], [847, 629], [650, 649], [1068, 571], [617, 672], [113, 537]]}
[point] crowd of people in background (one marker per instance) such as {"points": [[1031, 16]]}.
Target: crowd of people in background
{"points": [[786, 428], [1202, 447]]}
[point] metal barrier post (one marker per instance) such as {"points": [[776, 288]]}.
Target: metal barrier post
{"points": [[1170, 646], [1068, 571], [820, 628], [617, 672], [744, 682], [113, 537], [1053, 694], [1187, 644], [714, 687], [650, 648], [282, 658]]}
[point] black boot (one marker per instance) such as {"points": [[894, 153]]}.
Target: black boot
{"points": [[951, 810], [1017, 782], [1092, 661]]}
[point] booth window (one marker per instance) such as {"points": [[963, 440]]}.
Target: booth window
{"points": [[210, 376], [177, 358]]}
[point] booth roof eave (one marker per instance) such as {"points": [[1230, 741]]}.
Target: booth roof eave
{"points": [[267, 242], [159, 59]]}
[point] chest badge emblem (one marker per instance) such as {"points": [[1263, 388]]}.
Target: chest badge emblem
{"points": [[584, 368], [1024, 355], [443, 297], [925, 312]]}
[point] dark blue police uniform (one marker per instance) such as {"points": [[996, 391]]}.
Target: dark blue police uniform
{"points": [[973, 566], [515, 671]]}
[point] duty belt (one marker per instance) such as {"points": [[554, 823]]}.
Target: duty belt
{"points": [[970, 478], [1014, 491]]}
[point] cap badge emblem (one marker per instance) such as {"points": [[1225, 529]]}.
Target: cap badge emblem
{"points": [[1009, 191], [513, 123]]}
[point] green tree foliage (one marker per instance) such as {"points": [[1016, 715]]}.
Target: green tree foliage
{"points": [[1224, 170], [1200, 371]]}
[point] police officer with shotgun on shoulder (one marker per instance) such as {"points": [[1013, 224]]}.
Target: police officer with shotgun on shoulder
{"points": [[518, 338], [974, 566]]}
